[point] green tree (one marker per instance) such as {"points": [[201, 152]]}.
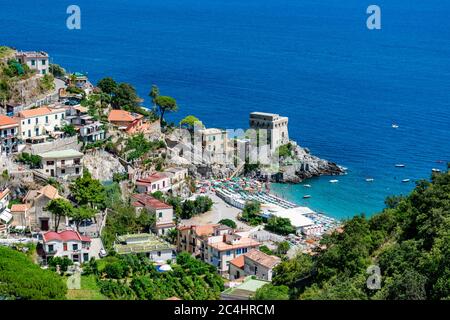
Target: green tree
{"points": [[271, 292], [165, 104], [228, 222], [154, 93], [251, 213], [283, 247], [82, 214], [107, 85], [88, 191], [56, 70], [190, 122], [59, 208], [280, 225], [69, 129], [125, 97]]}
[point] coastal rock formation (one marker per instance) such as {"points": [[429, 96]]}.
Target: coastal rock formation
{"points": [[304, 165], [102, 165]]}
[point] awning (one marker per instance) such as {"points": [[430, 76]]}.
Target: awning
{"points": [[5, 216]]}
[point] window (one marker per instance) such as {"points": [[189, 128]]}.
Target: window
{"points": [[159, 253], [85, 257], [75, 247], [63, 171], [65, 246], [46, 119], [33, 62], [43, 62], [56, 116], [29, 121], [160, 214], [37, 120], [238, 251], [50, 163], [228, 253], [29, 133], [244, 250], [50, 248]]}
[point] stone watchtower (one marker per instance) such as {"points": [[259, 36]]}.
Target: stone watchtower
{"points": [[275, 126]]}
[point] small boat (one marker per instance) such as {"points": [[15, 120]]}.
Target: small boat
{"points": [[406, 180], [307, 186], [307, 196], [395, 126], [400, 165], [334, 181], [369, 179], [435, 170]]}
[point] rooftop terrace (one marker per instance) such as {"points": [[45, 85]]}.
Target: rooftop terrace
{"points": [[141, 243]]}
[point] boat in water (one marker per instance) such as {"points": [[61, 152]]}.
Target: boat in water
{"points": [[369, 179], [406, 180], [307, 186], [334, 181], [400, 165], [395, 126], [435, 170], [306, 196]]}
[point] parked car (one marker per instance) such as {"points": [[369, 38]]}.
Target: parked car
{"points": [[102, 253]]}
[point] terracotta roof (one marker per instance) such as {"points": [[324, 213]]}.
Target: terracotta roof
{"points": [[238, 262], [19, 208], [242, 243], [7, 121], [67, 235], [42, 111], [122, 116], [205, 230], [149, 202], [150, 179], [4, 193], [50, 192], [262, 258]]}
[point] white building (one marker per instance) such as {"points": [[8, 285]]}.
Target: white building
{"points": [[63, 164], [226, 247], [68, 244], [163, 212], [214, 145], [35, 124], [274, 125], [253, 263], [298, 219], [9, 129], [5, 214], [153, 183], [34, 60]]}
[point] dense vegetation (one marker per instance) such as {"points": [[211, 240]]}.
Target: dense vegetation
{"points": [[409, 241], [280, 225], [251, 213], [20, 278], [32, 160], [135, 277]]}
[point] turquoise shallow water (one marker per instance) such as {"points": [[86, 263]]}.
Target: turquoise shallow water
{"points": [[341, 85]]}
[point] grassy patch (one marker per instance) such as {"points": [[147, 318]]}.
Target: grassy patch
{"points": [[89, 290]]}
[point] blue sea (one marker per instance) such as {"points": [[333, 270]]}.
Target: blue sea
{"points": [[341, 85]]}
